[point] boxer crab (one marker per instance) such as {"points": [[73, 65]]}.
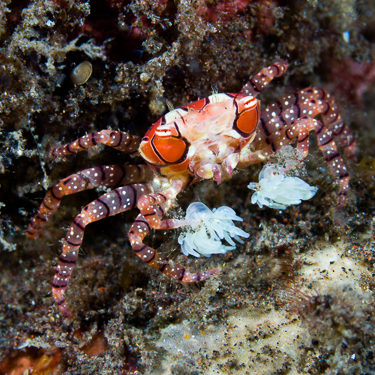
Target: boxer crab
{"points": [[202, 140]]}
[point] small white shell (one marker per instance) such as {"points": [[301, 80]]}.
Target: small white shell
{"points": [[144, 77], [81, 73]]}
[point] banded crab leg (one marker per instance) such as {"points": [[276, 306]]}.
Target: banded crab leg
{"points": [[138, 232], [153, 207], [118, 140], [299, 130], [109, 204], [257, 83], [333, 121], [326, 143], [308, 102], [147, 204], [109, 175], [283, 122]]}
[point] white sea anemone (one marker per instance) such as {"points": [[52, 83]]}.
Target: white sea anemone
{"points": [[277, 191], [208, 228]]}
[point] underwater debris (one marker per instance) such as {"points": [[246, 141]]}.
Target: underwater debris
{"points": [[277, 191], [208, 229]]}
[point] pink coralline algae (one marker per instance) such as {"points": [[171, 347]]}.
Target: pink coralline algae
{"points": [[224, 9], [227, 9], [354, 78]]}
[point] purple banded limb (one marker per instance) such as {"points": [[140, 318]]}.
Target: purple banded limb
{"points": [[109, 175], [308, 102], [138, 232], [291, 119], [149, 204], [118, 140], [257, 83], [109, 204], [299, 131]]}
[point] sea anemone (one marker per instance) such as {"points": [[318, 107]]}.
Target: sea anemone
{"points": [[277, 191], [208, 228]]}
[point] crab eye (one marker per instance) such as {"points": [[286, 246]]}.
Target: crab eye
{"points": [[170, 150]]}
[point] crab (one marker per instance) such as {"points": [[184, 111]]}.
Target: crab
{"points": [[203, 140]]}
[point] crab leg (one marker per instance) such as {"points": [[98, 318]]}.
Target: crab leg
{"points": [[257, 83], [311, 102], [300, 130], [119, 140], [112, 203], [328, 147], [334, 122], [148, 206], [110, 175], [138, 232]]}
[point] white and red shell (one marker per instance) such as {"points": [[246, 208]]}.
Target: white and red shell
{"points": [[202, 134]]}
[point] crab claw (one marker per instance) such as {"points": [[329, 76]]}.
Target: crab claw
{"points": [[209, 171], [217, 173], [230, 163], [229, 169]]}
